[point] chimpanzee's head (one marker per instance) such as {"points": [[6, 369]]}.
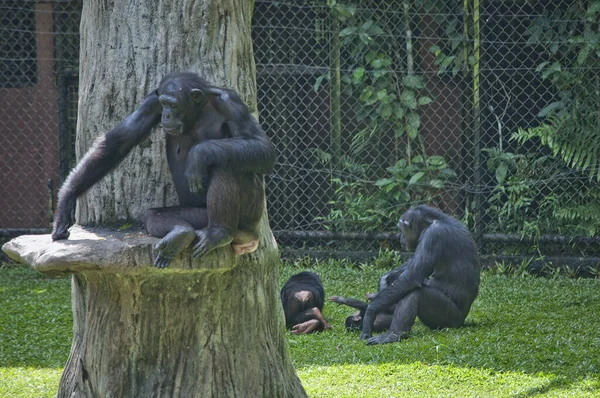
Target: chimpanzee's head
{"points": [[182, 96], [412, 224], [354, 322]]}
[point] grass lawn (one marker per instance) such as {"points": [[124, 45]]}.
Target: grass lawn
{"points": [[524, 337]]}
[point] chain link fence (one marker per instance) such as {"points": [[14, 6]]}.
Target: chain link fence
{"points": [[39, 46], [485, 109]]}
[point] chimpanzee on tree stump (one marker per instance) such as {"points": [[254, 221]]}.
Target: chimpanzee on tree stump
{"points": [[217, 153], [438, 284]]}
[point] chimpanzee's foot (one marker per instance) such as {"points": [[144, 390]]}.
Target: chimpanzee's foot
{"points": [[306, 327], [383, 338], [245, 248], [365, 336], [209, 239], [171, 245], [316, 313]]}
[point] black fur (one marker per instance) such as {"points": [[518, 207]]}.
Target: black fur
{"points": [[298, 310], [217, 153], [438, 284]]}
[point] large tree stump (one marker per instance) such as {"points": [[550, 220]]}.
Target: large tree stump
{"points": [[207, 328]]}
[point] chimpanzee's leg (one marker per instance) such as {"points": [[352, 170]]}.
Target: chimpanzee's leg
{"points": [[402, 320], [235, 206], [223, 205], [302, 323], [434, 309], [176, 226]]}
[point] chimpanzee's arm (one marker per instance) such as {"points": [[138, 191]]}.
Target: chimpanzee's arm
{"points": [[248, 150], [106, 153], [418, 268], [389, 277], [359, 305]]}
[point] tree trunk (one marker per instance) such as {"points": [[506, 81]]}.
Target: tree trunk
{"points": [[199, 328]]}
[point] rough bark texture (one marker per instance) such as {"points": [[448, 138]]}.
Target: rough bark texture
{"points": [[209, 328]]}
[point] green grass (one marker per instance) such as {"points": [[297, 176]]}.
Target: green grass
{"points": [[524, 337]]}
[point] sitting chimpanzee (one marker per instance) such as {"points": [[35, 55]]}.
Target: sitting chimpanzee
{"points": [[303, 297], [217, 153], [438, 284]]}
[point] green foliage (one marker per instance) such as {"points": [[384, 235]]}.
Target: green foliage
{"points": [[571, 128], [536, 195], [358, 206], [373, 188]]}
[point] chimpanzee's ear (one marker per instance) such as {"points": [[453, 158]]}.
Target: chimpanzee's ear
{"points": [[197, 95]]}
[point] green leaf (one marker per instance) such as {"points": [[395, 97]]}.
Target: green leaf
{"points": [[554, 68], [348, 31], [414, 82], [501, 172], [549, 108], [415, 178], [318, 82], [594, 8], [411, 132], [358, 74], [541, 66], [414, 120], [409, 99], [436, 161], [583, 54], [398, 112], [386, 112], [424, 100], [384, 181], [436, 183]]}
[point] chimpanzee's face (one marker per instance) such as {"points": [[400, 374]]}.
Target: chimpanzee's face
{"points": [[354, 322], [411, 228], [178, 106]]}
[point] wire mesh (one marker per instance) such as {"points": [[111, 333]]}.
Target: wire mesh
{"points": [[378, 106], [485, 109]]}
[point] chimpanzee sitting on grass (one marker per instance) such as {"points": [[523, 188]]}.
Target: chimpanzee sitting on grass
{"points": [[438, 284], [303, 297]]}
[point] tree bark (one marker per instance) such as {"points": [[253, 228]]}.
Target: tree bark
{"points": [[209, 328]]}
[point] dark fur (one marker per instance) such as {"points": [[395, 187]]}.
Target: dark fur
{"points": [[220, 186], [297, 311], [438, 284]]}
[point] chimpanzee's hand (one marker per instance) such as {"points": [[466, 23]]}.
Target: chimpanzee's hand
{"points": [[365, 336], [221, 94], [62, 222], [196, 172], [198, 184]]}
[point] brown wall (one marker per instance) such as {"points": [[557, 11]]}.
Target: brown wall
{"points": [[29, 138]]}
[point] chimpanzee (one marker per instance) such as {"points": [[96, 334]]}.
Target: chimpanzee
{"points": [[302, 297], [217, 153], [438, 284]]}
